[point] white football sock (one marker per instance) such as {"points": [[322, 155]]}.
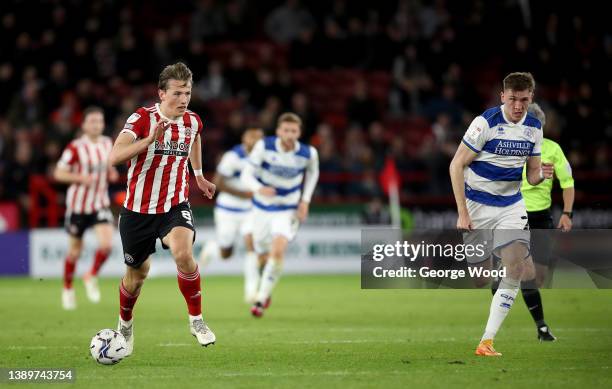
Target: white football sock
{"points": [[251, 277], [500, 306], [269, 278], [210, 252]]}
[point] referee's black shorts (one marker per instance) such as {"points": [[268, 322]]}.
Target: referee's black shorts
{"points": [[139, 231], [542, 232]]}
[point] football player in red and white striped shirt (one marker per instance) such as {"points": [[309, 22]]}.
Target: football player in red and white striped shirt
{"points": [[84, 165], [157, 142]]}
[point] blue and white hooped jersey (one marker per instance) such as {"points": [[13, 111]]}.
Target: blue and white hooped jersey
{"points": [[494, 177], [230, 167], [282, 170]]}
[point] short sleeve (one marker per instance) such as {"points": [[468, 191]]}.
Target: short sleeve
{"points": [[227, 165], [69, 157], [256, 155], [137, 124], [563, 169], [476, 135]]}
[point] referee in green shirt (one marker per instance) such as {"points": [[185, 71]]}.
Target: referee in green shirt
{"points": [[538, 202]]}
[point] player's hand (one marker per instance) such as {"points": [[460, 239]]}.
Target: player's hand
{"points": [[113, 175], [464, 222], [207, 187], [267, 191], [547, 170], [157, 131], [302, 211], [565, 223], [86, 180]]}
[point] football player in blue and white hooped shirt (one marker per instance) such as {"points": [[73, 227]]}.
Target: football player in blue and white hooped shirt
{"points": [[282, 175], [486, 174], [232, 212]]}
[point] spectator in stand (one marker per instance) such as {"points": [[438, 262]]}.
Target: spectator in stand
{"points": [[285, 22], [361, 108], [207, 21], [238, 76], [213, 86], [27, 107], [412, 84]]}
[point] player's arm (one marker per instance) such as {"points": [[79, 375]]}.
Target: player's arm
{"points": [[62, 171], [310, 182], [248, 173], [222, 186], [563, 172], [127, 146], [538, 171], [195, 157], [113, 174], [463, 157], [64, 175]]}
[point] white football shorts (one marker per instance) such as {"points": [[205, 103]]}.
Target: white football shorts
{"points": [[496, 227], [266, 225]]}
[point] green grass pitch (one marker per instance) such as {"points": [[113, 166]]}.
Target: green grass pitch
{"points": [[321, 331]]}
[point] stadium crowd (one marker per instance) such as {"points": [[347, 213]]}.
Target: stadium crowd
{"points": [[396, 78]]}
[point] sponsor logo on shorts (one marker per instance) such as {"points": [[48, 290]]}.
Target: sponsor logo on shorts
{"points": [[74, 229], [128, 258]]}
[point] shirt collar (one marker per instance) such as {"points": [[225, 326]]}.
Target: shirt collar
{"points": [[279, 146]]}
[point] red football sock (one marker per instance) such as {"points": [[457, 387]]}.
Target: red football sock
{"points": [[69, 266], [189, 284], [99, 260], [126, 303]]}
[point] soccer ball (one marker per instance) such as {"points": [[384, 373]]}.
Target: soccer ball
{"points": [[108, 347]]}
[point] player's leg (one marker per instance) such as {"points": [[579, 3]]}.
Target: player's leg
{"points": [[480, 238], [541, 246], [283, 228], [104, 233], [138, 235], [227, 228], [513, 257], [75, 247], [272, 270], [251, 271], [129, 290], [262, 244], [533, 300], [178, 234]]}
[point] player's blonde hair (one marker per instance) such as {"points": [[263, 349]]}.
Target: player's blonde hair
{"points": [[289, 117], [535, 110], [519, 81], [178, 71]]}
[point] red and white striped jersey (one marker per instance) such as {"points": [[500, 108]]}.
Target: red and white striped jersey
{"points": [[83, 156], [158, 177]]}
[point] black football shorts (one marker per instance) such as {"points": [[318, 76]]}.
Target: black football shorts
{"points": [[140, 230]]}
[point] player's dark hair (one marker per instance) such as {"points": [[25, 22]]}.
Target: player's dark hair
{"points": [[519, 81], [289, 117], [92, 109], [179, 71], [249, 129]]}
